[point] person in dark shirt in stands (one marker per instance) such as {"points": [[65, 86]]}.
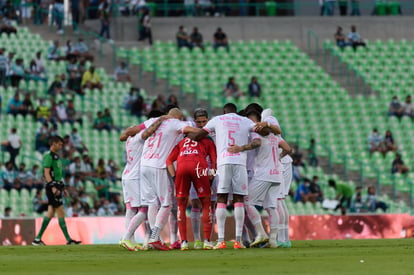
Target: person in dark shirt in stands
{"points": [[220, 40], [254, 88], [315, 190], [197, 39]]}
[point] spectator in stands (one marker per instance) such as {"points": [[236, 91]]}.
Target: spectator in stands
{"points": [[129, 99], [82, 50], [7, 212], [99, 122], [15, 105], [395, 108], [389, 143], [87, 167], [254, 88], [232, 89], [39, 202], [17, 72], [105, 209], [77, 141], [372, 202], [105, 11], [172, 100], [296, 170], [343, 7], [75, 78], [28, 107], [196, 39], [8, 176], [398, 165], [72, 114], [12, 145], [354, 38], [61, 113], [313, 159], [357, 203], [73, 209], [68, 149], [112, 170], [35, 178], [43, 112], [42, 138], [3, 67], [408, 107], [6, 24], [159, 104], [21, 177], [220, 40], [138, 106], [355, 8], [315, 191], [183, 40], [107, 117], [330, 7], [375, 141], [54, 52], [322, 7], [343, 194], [56, 87], [34, 72], [302, 193], [102, 186], [75, 168], [121, 73], [145, 26], [75, 10], [58, 9], [40, 64], [70, 50], [340, 38], [91, 80]]}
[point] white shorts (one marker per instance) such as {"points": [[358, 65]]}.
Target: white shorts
{"points": [[232, 179], [193, 191], [287, 177], [156, 186], [131, 191], [264, 193]]}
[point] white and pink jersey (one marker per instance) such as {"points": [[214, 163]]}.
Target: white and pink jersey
{"points": [[230, 129], [286, 159], [158, 146], [134, 147], [268, 166]]}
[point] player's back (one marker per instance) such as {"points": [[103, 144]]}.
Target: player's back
{"points": [[230, 129], [195, 151], [158, 146], [267, 163]]}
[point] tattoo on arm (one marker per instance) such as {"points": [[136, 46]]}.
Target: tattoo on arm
{"points": [[150, 130], [252, 145]]}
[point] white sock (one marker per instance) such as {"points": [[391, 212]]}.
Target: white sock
{"points": [[129, 214], [280, 224], [256, 220], [160, 221], [152, 214], [135, 222], [239, 218], [195, 223], [249, 225], [173, 225], [147, 232], [221, 214], [273, 222], [285, 221]]}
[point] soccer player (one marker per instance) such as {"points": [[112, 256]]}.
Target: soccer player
{"points": [[55, 188], [192, 166], [135, 213], [156, 185], [266, 185], [230, 129]]}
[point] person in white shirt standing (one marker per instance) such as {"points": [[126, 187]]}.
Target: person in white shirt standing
{"points": [[156, 185], [12, 145], [131, 185]]}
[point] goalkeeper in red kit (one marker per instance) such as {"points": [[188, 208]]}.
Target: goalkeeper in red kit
{"points": [[193, 167]]}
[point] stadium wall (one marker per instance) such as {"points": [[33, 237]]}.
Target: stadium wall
{"points": [[124, 29], [108, 230]]}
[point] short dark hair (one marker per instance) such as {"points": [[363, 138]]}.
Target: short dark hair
{"points": [[230, 108], [254, 107], [200, 112], [255, 114], [55, 139], [155, 113]]}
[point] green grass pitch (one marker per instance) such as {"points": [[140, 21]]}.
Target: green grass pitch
{"points": [[306, 257]]}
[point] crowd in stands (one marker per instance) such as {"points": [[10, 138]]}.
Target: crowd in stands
{"points": [[195, 39], [353, 39], [232, 89], [400, 109]]}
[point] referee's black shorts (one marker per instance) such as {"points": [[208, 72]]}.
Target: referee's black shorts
{"points": [[54, 200]]}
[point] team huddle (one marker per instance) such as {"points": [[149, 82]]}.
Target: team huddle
{"points": [[237, 159]]}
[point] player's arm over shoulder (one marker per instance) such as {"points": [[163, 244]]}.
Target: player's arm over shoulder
{"points": [[131, 131]]}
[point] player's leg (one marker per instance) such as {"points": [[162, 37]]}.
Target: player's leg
{"points": [[239, 187], [46, 220], [281, 222], [223, 189], [60, 211], [271, 203], [195, 217], [173, 221], [130, 212], [285, 230], [182, 221], [128, 241]]}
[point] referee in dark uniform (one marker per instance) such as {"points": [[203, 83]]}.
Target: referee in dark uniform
{"points": [[52, 171]]}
